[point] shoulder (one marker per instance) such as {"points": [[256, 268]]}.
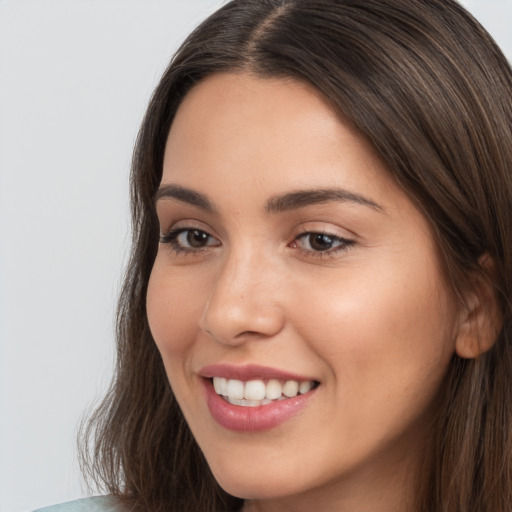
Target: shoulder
{"points": [[96, 504]]}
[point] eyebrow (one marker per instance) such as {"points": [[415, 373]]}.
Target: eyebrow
{"points": [[185, 195], [303, 198], [279, 203]]}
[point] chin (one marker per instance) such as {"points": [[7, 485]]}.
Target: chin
{"points": [[254, 486], [247, 478]]}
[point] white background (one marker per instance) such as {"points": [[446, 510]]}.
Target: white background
{"points": [[75, 77]]}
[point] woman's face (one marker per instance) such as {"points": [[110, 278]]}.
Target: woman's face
{"points": [[291, 265]]}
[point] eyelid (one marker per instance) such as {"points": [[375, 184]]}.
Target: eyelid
{"points": [[325, 228], [170, 239], [175, 232], [343, 239], [342, 244], [337, 241], [169, 224]]}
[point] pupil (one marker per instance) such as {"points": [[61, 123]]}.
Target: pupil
{"points": [[321, 242], [197, 238]]}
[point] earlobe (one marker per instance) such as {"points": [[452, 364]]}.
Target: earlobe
{"points": [[480, 319]]}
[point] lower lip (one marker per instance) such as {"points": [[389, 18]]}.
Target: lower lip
{"points": [[252, 419]]}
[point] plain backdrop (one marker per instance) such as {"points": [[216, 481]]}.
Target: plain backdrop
{"points": [[75, 78]]}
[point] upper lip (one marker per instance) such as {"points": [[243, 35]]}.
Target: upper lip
{"points": [[249, 372]]}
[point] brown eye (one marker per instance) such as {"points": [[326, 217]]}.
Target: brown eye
{"points": [[196, 238], [189, 239], [321, 243]]}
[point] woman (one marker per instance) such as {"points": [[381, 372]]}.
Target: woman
{"points": [[321, 270]]}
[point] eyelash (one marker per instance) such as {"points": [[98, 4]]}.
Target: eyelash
{"points": [[344, 244], [171, 238]]}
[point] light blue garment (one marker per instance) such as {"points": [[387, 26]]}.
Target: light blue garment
{"points": [[96, 504]]}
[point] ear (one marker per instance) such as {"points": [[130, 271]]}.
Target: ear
{"points": [[481, 318]]}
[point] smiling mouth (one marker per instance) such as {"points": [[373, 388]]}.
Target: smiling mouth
{"points": [[254, 393]]}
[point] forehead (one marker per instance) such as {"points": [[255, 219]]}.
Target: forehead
{"points": [[236, 134]]}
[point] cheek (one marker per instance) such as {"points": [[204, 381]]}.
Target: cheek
{"points": [[173, 308], [386, 345], [384, 332]]}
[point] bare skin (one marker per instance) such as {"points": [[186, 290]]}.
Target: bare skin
{"points": [[347, 289]]}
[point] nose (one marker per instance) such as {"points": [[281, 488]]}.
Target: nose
{"points": [[244, 303]]}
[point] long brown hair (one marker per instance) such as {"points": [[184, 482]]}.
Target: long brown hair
{"points": [[428, 87]]}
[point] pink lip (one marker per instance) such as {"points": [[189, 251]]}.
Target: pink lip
{"points": [[251, 419], [249, 372]]}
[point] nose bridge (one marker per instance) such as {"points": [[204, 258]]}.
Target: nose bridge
{"points": [[243, 303]]}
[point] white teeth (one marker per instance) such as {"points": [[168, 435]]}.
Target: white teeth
{"points": [[274, 389], [291, 388], [305, 386], [254, 390], [235, 389], [247, 403], [223, 386], [254, 393], [220, 384]]}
